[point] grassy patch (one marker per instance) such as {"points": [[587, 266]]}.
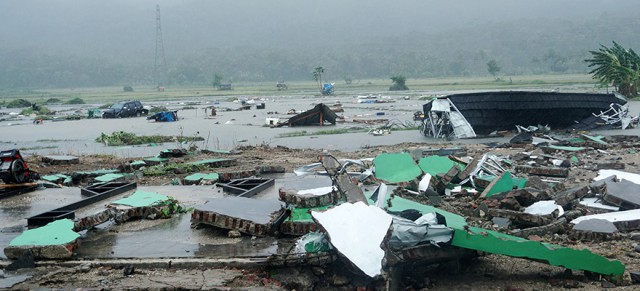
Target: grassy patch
{"points": [[41, 111], [120, 138], [18, 103], [76, 100]]}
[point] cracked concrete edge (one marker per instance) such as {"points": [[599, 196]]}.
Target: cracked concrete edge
{"points": [[150, 263]]}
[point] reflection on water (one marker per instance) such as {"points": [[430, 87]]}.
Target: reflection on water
{"points": [[174, 238]]}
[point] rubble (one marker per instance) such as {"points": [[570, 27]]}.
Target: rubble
{"points": [[417, 206]]}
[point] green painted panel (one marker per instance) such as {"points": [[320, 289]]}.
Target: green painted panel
{"points": [[59, 232], [138, 163], [566, 148], [109, 177], [202, 176], [597, 139], [54, 177], [99, 172], [499, 243], [396, 167], [519, 182], [399, 204], [505, 183], [141, 199], [300, 214], [437, 165]]}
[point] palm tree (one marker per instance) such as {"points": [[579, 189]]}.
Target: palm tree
{"points": [[617, 66], [317, 75]]}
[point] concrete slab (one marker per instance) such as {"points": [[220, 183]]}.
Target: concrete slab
{"points": [[247, 215], [308, 198], [623, 220], [56, 240], [198, 178], [596, 225], [623, 193], [140, 199]]}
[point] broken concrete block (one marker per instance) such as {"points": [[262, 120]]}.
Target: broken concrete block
{"points": [[250, 216], [554, 148], [155, 161], [596, 225], [611, 165], [300, 221], [624, 220], [215, 163], [595, 205], [536, 182], [60, 160], [557, 226], [198, 178], [56, 240], [323, 196], [543, 171], [528, 196], [228, 176], [521, 218], [567, 196], [270, 169], [468, 169], [625, 194]]}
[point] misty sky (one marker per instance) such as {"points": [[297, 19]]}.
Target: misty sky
{"points": [[117, 27]]}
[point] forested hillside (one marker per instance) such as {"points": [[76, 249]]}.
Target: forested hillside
{"points": [[194, 52]]}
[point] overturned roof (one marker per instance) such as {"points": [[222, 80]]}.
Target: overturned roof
{"points": [[491, 111], [318, 115]]}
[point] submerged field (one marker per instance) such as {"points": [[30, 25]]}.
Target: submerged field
{"points": [[418, 87]]}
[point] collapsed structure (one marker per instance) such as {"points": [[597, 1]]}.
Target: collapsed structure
{"points": [[476, 114], [403, 202]]}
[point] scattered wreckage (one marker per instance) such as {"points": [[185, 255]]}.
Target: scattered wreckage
{"points": [[403, 205], [320, 114], [479, 114]]}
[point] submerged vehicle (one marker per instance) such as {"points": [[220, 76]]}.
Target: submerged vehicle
{"points": [[129, 108], [476, 114]]}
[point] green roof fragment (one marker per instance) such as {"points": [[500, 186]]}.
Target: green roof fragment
{"points": [[396, 167], [58, 232], [437, 165], [141, 199]]}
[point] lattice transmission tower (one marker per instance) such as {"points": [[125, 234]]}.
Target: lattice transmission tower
{"points": [[160, 66]]}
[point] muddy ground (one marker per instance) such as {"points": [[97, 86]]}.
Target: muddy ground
{"points": [[487, 272]]}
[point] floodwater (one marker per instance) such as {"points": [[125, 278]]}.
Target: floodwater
{"points": [[175, 237], [172, 237], [226, 130]]}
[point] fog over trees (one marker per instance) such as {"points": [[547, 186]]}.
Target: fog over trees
{"points": [[78, 43]]}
